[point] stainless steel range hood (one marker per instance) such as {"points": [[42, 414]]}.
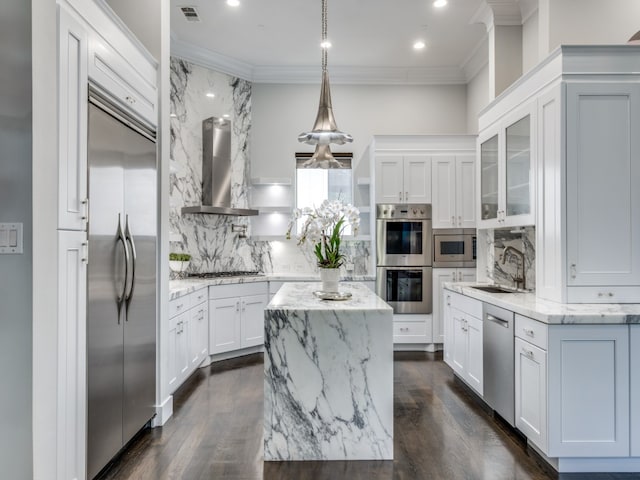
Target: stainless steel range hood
{"points": [[216, 171]]}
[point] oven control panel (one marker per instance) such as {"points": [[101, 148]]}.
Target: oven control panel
{"points": [[413, 211]]}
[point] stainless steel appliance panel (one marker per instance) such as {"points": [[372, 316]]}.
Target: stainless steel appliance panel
{"points": [[498, 361], [403, 235], [121, 311], [406, 289], [454, 248], [140, 202]]}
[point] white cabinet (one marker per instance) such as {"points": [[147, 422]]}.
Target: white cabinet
{"points": [[236, 316], [603, 174], [440, 276], [453, 192], [134, 89], [634, 366], [465, 355], [588, 368], [506, 170], [188, 337], [403, 179], [72, 360], [72, 122], [531, 380]]}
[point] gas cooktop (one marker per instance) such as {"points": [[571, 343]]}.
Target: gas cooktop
{"points": [[239, 273]]}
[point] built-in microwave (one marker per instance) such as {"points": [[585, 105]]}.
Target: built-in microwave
{"points": [[454, 247]]}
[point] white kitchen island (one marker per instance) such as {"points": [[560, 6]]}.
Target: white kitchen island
{"points": [[328, 376]]}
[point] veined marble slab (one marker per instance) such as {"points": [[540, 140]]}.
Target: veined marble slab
{"points": [[178, 288], [328, 376], [545, 311]]}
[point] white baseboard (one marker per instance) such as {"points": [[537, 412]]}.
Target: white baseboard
{"points": [[609, 465], [235, 354], [417, 347], [163, 412]]}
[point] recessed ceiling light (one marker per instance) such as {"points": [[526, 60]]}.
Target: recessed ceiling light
{"points": [[226, 115], [173, 115], [325, 44], [211, 95], [419, 45], [439, 3], [233, 3]]}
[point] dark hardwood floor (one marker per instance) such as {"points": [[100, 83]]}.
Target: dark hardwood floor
{"points": [[441, 432]]}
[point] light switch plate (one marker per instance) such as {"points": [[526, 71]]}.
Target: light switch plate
{"points": [[11, 238]]}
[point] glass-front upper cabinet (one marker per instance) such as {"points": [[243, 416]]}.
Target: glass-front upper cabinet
{"points": [[489, 178], [506, 171], [518, 165]]}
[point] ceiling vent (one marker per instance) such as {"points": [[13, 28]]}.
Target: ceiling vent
{"points": [[190, 13]]}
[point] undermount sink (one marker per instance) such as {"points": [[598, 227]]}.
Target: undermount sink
{"points": [[493, 289]]}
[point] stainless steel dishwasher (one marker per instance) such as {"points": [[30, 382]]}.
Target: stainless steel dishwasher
{"points": [[498, 361]]}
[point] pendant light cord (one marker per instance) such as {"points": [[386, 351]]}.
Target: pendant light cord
{"points": [[324, 35]]}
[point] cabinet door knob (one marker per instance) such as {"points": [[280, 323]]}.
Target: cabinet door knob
{"points": [[528, 353], [528, 332], [453, 220], [460, 220], [406, 196], [400, 196], [459, 276]]}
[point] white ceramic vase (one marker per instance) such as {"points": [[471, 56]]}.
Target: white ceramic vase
{"points": [[177, 266], [330, 278]]}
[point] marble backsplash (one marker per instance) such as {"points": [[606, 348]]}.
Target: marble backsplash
{"points": [[213, 246], [209, 238], [503, 270]]}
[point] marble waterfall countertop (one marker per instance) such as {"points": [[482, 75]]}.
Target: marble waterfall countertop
{"points": [[328, 373], [178, 288], [546, 311]]}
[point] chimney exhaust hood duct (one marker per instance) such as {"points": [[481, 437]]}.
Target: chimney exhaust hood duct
{"points": [[216, 170]]}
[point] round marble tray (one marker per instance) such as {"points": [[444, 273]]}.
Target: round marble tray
{"points": [[333, 295]]}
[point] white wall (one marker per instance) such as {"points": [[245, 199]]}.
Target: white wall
{"points": [[530, 43], [143, 19], [590, 21], [15, 206], [477, 98], [282, 112]]}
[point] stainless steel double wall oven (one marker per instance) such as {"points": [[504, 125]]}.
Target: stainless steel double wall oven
{"points": [[404, 253]]}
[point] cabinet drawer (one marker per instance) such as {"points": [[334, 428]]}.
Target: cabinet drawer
{"points": [[178, 306], [465, 304], [237, 290], [410, 332], [199, 297], [200, 312], [532, 331]]}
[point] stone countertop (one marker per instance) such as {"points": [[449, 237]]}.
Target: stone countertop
{"points": [[553, 313], [178, 288], [299, 296]]}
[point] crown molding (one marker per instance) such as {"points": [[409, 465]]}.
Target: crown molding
{"points": [[477, 60], [498, 13], [311, 74], [527, 8], [209, 59]]}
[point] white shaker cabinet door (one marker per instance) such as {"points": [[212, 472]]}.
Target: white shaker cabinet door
{"points": [[474, 373], [588, 369], [440, 275], [72, 122], [252, 328], [634, 342], [417, 179], [465, 192], [603, 174], [444, 192], [531, 392], [389, 180], [72, 360], [224, 325]]}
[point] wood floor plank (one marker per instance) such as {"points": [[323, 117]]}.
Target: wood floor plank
{"points": [[441, 432]]}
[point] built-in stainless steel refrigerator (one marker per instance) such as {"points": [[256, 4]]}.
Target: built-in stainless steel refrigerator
{"points": [[121, 316]]}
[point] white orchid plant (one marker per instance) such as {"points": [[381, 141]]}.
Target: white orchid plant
{"points": [[324, 226]]}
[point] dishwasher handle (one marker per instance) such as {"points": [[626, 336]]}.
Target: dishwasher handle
{"points": [[499, 321]]}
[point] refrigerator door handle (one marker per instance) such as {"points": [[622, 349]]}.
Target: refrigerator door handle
{"points": [[132, 245], [121, 238]]}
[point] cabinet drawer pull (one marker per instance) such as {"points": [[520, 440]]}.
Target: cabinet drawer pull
{"points": [[529, 332], [179, 307], [449, 300], [453, 220], [400, 196], [460, 220], [528, 353], [404, 329], [573, 270], [453, 274], [130, 99]]}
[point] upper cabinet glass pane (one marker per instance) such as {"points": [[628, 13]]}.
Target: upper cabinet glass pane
{"points": [[489, 178], [518, 165]]}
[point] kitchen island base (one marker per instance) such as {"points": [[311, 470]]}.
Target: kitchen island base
{"points": [[328, 376]]}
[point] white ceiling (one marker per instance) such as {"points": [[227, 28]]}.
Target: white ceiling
{"points": [[265, 39]]}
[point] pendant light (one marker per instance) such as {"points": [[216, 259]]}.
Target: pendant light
{"points": [[325, 130]]}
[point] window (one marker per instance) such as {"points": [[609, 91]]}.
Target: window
{"points": [[314, 185]]}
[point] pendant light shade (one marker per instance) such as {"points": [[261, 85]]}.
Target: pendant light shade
{"points": [[325, 131]]}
